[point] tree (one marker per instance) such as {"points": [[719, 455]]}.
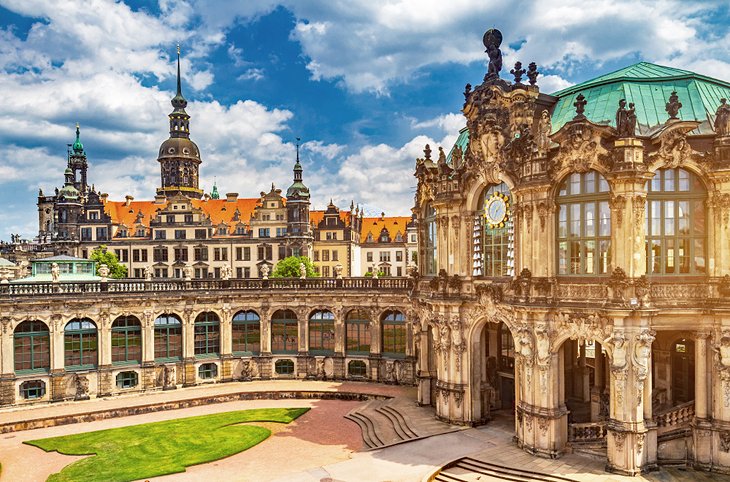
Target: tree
{"points": [[289, 267], [102, 256]]}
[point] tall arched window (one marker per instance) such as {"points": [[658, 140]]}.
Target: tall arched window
{"points": [[207, 334], [676, 223], [494, 234], [284, 332], [430, 241], [584, 225], [126, 340], [168, 337], [506, 348], [322, 332], [81, 344], [357, 328], [32, 346], [394, 333], [246, 333]]}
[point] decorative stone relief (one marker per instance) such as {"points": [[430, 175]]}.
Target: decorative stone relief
{"points": [[673, 151], [641, 354], [618, 439], [724, 440], [617, 203], [543, 424], [582, 327], [542, 137], [457, 341], [580, 149]]}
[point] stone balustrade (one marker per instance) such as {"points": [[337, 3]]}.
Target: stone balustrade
{"points": [[676, 417], [138, 286], [584, 433]]}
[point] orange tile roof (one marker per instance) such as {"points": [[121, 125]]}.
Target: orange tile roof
{"points": [[394, 225], [316, 217], [219, 210]]}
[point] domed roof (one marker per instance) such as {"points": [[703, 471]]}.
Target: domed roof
{"points": [[178, 147]]}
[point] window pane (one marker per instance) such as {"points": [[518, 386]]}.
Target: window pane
{"points": [[605, 218], [590, 219], [668, 218], [669, 180], [699, 255], [575, 219], [563, 221]]}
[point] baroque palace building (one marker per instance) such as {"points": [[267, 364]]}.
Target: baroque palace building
{"points": [[576, 267], [573, 256]]}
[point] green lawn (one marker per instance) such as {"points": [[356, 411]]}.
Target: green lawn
{"points": [[159, 448]]}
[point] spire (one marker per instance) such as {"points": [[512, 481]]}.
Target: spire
{"points": [[78, 147], [214, 193], [298, 167], [179, 119]]}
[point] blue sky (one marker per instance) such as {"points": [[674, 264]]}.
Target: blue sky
{"points": [[365, 84]]}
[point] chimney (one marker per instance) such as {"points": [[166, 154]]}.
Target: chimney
{"points": [[160, 199], [382, 216], [128, 199], [231, 197], [104, 197]]}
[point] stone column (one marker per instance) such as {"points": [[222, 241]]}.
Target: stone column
{"points": [[149, 376], [701, 425], [265, 327], [599, 380], [339, 371], [58, 370], [226, 345], [104, 334], [631, 437], [423, 375], [189, 349], [7, 368], [375, 347]]}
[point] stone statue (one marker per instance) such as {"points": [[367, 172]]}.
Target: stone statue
{"points": [[580, 107], [55, 273], [622, 119], [265, 271], [518, 72], [390, 372], [246, 370], [544, 127], [375, 272], [302, 271], [525, 344], [492, 40], [168, 378], [618, 341], [226, 272], [445, 340], [104, 272], [338, 271], [723, 349], [722, 119], [631, 119], [532, 73], [321, 372], [188, 272], [148, 273], [642, 351], [543, 345]]}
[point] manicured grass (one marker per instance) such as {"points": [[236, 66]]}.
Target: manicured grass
{"points": [[159, 448]]}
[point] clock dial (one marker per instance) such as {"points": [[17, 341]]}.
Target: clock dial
{"points": [[496, 210]]}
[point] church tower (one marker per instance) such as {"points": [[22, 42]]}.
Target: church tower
{"points": [[299, 232], [78, 164], [179, 157]]}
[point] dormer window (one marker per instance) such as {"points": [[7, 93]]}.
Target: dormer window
{"points": [[369, 239], [93, 215]]}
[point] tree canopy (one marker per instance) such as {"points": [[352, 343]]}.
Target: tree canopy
{"points": [[289, 267], [102, 256]]}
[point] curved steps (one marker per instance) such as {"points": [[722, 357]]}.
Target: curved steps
{"points": [[394, 421], [468, 469]]}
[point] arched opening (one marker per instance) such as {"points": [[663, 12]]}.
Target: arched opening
{"points": [[585, 388], [676, 223], [673, 374], [584, 225], [168, 338], [126, 340], [505, 365], [357, 333], [322, 332], [207, 334], [393, 330], [246, 333], [81, 345], [32, 347], [493, 236], [284, 332]]}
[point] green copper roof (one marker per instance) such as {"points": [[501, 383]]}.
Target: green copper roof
{"points": [[214, 193], [649, 87], [78, 147]]}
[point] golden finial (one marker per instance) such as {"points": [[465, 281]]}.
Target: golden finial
{"points": [[178, 49], [77, 125]]}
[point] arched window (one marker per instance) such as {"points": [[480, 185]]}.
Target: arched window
{"points": [[676, 223], [494, 241], [246, 332], [284, 332], [81, 346], [357, 328], [322, 332], [394, 333], [584, 225], [32, 346], [284, 367], [357, 369], [127, 380], [207, 334], [168, 337], [430, 241], [126, 340]]}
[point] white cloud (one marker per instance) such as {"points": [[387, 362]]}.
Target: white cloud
{"points": [[254, 74]]}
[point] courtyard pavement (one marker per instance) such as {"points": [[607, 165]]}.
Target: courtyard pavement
{"points": [[320, 446]]}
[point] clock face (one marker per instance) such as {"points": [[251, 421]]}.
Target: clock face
{"points": [[496, 210]]}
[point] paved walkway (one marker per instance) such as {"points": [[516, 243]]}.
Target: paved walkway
{"points": [[320, 446]]}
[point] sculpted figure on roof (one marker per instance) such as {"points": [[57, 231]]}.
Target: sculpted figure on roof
{"points": [[544, 127], [722, 119]]}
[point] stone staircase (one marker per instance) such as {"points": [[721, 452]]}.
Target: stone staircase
{"points": [[468, 469], [393, 421]]}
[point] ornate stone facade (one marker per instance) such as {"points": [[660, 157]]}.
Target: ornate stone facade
{"points": [[584, 316]]}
